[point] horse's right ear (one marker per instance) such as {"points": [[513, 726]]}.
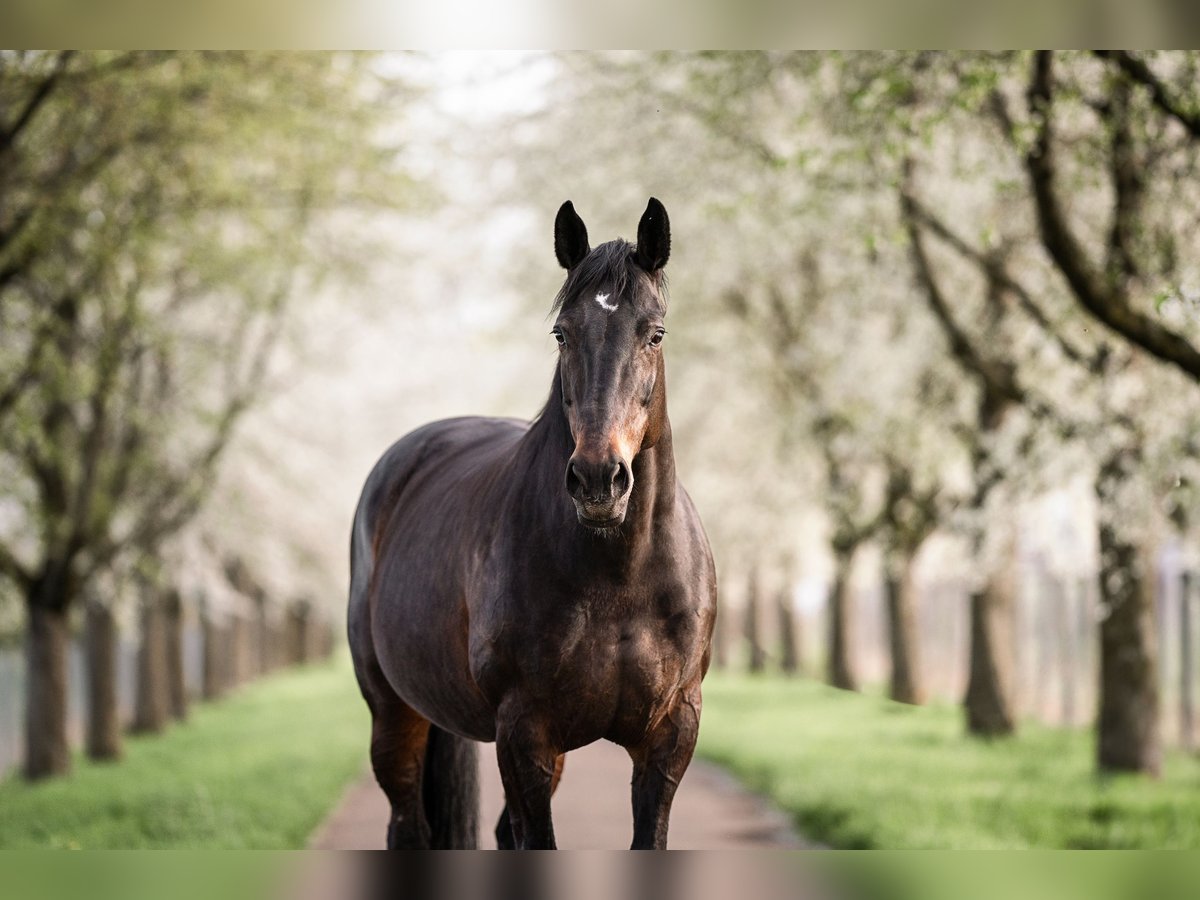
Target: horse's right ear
{"points": [[570, 237]]}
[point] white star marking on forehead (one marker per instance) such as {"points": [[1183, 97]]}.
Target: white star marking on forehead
{"points": [[607, 307]]}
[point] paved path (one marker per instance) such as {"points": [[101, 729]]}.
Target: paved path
{"points": [[591, 808]]}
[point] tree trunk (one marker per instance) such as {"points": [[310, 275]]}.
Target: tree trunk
{"points": [[789, 654], [47, 752], [1187, 665], [906, 686], [988, 703], [304, 654], [841, 624], [1128, 737], [153, 690], [176, 676], [757, 657], [104, 718]]}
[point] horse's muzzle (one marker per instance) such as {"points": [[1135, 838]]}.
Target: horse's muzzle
{"points": [[600, 488]]}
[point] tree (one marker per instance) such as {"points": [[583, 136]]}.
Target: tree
{"points": [[1122, 428], [1142, 146], [146, 263], [988, 701]]}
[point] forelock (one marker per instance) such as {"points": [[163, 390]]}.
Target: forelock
{"points": [[610, 266]]}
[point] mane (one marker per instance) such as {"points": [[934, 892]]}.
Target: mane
{"points": [[611, 265]]}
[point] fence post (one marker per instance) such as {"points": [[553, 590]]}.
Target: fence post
{"points": [[262, 637], [1187, 661], [789, 656], [1068, 663], [1087, 641], [240, 639], [757, 657], [215, 680], [720, 642], [327, 638]]}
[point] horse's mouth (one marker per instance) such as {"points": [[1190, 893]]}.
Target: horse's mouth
{"points": [[599, 524]]}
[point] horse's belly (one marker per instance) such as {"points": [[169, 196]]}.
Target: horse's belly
{"points": [[427, 666]]}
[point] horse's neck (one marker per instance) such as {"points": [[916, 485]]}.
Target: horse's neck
{"points": [[654, 473]]}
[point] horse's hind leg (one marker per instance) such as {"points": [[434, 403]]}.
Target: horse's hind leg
{"points": [[504, 832], [398, 739]]}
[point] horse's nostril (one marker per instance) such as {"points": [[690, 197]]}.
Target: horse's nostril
{"points": [[621, 479], [575, 482], [598, 481]]}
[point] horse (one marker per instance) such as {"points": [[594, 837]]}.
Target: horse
{"points": [[542, 584]]}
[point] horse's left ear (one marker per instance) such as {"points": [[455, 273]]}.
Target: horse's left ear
{"points": [[570, 237], [654, 237]]}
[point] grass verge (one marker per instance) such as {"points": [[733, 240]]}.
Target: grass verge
{"points": [[858, 771], [257, 770]]}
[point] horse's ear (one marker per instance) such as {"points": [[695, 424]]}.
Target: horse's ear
{"points": [[654, 237], [570, 237]]}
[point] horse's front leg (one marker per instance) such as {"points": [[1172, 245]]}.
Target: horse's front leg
{"points": [[658, 765], [527, 769]]}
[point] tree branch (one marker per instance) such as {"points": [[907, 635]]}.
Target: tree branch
{"points": [[10, 132], [997, 379], [995, 271], [1139, 72], [11, 567], [1108, 303], [1128, 189]]}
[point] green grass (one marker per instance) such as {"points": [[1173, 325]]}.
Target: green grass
{"points": [[858, 771], [257, 770]]}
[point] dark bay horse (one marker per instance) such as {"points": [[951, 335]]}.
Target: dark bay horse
{"points": [[542, 585]]}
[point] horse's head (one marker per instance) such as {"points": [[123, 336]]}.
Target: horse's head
{"points": [[610, 331]]}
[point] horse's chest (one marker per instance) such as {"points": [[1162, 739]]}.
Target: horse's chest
{"points": [[609, 673]]}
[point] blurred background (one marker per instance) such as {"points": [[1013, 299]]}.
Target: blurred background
{"points": [[934, 368]]}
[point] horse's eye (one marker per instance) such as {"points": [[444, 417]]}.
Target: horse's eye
{"points": [[657, 337], [558, 336]]}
